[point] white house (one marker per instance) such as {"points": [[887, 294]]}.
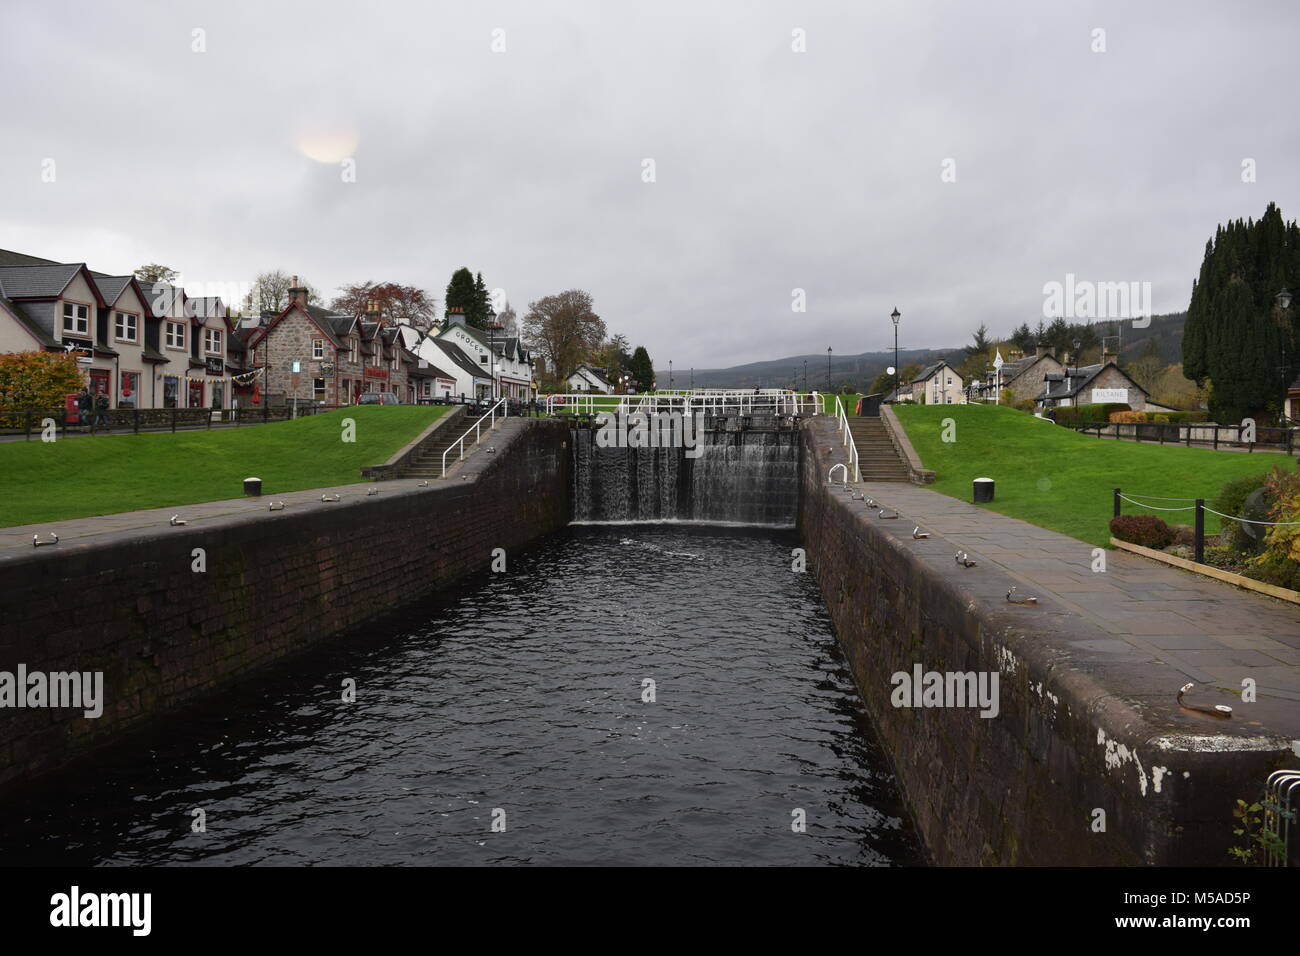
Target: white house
{"points": [[938, 384], [584, 378]]}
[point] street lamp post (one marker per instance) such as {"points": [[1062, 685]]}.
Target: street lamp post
{"points": [[805, 375], [670, 375], [828, 370], [898, 372]]}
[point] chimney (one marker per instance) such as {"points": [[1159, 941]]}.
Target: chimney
{"points": [[456, 316], [298, 294], [1041, 350], [1108, 355]]}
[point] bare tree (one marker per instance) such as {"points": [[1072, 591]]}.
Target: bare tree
{"points": [[564, 329], [270, 293], [509, 320]]}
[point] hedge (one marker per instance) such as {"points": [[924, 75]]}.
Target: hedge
{"points": [[1073, 414]]}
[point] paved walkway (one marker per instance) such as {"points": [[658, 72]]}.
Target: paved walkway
{"points": [[1213, 632]]}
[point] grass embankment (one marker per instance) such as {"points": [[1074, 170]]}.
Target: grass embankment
{"points": [[97, 475], [850, 402], [1056, 478]]}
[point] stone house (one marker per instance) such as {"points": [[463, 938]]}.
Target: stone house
{"points": [[1092, 384], [1025, 377]]}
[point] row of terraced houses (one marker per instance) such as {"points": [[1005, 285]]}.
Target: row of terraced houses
{"points": [[156, 347]]}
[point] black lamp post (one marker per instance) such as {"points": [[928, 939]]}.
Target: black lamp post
{"points": [[670, 375], [898, 372], [828, 369], [805, 375]]}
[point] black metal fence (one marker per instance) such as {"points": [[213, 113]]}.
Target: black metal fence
{"points": [[1206, 434], [34, 423]]}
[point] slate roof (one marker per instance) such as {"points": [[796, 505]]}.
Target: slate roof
{"points": [[596, 373], [928, 372], [458, 356], [1069, 383], [38, 281], [8, 258], [26, 321], [111, 287]]}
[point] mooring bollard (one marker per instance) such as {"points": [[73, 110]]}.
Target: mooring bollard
{"points": [[982, 490], [253, 487]]}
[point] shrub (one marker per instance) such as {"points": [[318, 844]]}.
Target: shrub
{"points": [[1145, 530], [1231, 500], [1073, 414], [1280, 561]]}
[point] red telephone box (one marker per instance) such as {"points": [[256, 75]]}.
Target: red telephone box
{"points": [[71, 410]]}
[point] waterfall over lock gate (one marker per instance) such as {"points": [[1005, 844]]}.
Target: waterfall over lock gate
{"points": [[741, 477]]}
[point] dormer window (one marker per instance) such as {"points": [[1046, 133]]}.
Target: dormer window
{"points": [[212, 340], [76, 319]]}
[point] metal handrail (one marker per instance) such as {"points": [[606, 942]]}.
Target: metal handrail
{"points": [[476, 428], [708, 401], [847, 435]]}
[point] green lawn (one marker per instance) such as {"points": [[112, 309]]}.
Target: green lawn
{"points": [[95, 475], [1056, 478], [850, 402]]}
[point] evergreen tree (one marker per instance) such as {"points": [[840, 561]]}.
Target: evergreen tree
{"points": [[641, 369], [461, 294], [1236, 334], [981, 343], [483, 311], [1023, 338]]}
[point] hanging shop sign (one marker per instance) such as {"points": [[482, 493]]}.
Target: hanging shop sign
{"points": [[214, 366]]}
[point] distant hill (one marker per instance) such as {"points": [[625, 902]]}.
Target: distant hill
{"points": [[1166, 330], [858, 371]]}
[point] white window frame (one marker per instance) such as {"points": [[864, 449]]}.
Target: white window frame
{"points": [[317, 349], [321, 393], [117, 326], [210, 335], [168, 337], [80, 316]]}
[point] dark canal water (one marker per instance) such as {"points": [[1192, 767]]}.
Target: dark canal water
{"points": [[520, 691]]}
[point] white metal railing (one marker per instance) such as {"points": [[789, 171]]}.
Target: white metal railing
{"points": [[846, 434], [477, 429], [707, 401]]}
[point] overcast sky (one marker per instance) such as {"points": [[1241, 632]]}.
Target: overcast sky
{"points": [[774, 170]]}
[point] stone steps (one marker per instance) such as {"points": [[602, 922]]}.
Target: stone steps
{"points": [[877, 458]]}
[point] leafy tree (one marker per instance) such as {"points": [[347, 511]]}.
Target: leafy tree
{"points": [[37, 380], [153, 272], [387, 302], [884, 382], [1146, 368], [564, 328]]}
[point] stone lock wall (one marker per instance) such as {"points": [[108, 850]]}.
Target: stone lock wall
{"points": [[1074, 732], [131, 605]]}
